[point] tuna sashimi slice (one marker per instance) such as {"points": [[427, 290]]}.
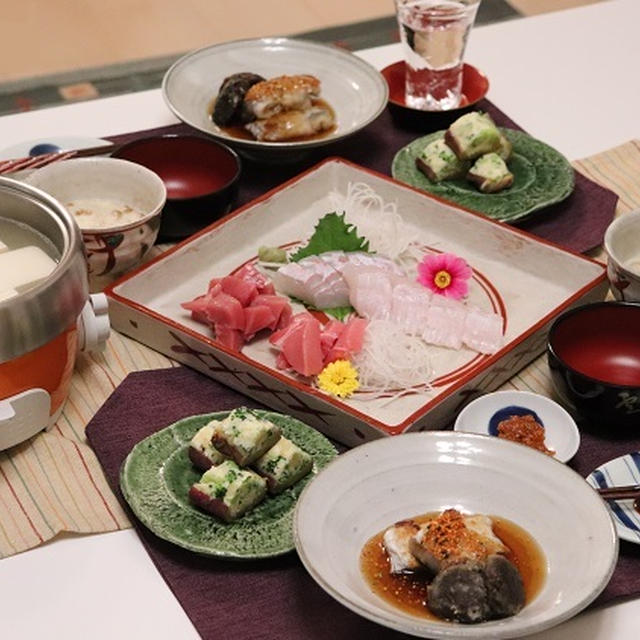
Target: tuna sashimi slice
{"points": [[282, 363], [280, 307], [231, 338], [301, 348], [256, 318], [483, 331], [330, 333], [198, 307], [242, 290], [250, 273], [304, 317], [224, 309], [349, 342]]}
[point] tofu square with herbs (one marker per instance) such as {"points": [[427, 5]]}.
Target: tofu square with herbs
{"points": [[243, 436], [227, 491], [283, 465], [202, 453]]}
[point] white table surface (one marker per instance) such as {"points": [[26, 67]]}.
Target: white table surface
{"points": [[561, 76]]}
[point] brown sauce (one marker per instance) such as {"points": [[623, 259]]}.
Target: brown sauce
{"points": [[409, 592], [239, 132]]}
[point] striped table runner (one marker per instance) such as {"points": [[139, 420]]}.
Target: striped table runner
{"points": [[54, 483]]}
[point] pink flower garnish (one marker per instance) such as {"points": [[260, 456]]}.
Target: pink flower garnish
{"points": [[445, 274]]}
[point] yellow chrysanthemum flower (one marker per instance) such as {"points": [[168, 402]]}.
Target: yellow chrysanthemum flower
{"points": [[340, 378]]}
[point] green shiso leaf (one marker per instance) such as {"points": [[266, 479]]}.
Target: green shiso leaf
{"points": [[340, 313], [332, 234]]}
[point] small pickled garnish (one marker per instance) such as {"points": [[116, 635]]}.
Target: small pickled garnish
{"points": [[525, 430]]}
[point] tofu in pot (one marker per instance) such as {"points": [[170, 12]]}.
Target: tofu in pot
{"points": [[202, 453], [283, 465], [227, 491], [243, 436], [490, 173], [438, 162], [396, 541]]}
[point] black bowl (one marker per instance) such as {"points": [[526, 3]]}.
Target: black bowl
{"points": [[594, 358], [201, 176]]}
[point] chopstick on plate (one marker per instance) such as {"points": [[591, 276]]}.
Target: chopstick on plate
{"points": [[628, 492], [35, 162]]}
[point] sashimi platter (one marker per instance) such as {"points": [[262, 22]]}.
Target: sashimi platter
{"points": [[354, 303]]}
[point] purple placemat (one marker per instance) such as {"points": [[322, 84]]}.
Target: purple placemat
{"points": [[274, 598], [577, 223]]}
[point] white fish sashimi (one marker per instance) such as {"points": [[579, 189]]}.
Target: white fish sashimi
{"points": [[370, 295], [445, 323], [314, 282], [396, 542], [319, 280], [410, 306], [483, 331]]}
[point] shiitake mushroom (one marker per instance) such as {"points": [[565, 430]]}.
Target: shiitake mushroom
{"points": [[228, 106]]}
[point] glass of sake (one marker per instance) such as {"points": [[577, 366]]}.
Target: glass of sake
{"points": [[434, 37]]}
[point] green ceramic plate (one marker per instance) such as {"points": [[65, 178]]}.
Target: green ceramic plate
{"points": [[157, 474], [542, 177]]}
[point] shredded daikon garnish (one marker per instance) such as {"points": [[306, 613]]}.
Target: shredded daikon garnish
{"points": [[376, 220], [391, 360]]}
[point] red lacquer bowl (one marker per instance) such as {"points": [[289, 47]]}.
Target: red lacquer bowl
{"points": [[594, 357], [475, 86], [200, 175]]}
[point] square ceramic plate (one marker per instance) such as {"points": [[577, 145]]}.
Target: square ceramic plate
{"points": [[525, 280]]}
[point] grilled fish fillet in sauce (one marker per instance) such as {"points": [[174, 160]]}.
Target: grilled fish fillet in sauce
{"points": [[293, 123], [267, 98], [452, 538]]}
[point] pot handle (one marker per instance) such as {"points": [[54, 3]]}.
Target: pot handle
{"points": [[93, 323], [22, 416]]}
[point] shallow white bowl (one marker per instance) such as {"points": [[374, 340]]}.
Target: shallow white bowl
{"points": [[357, 91], [113, 250], [561, 431], [372, 486]]}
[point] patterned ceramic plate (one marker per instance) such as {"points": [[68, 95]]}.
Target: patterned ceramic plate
{"points": [[542, 177], [621, 471], [157, 474]]}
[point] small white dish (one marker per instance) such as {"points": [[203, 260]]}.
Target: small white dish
{"points": [[39, 146], [619, 472], [483, 414], [367, 489]]}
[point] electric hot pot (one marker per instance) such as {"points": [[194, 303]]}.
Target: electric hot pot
{"points": [[43, 327]]}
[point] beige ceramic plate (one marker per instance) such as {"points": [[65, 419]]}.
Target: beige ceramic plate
{"points": [[509, 267], [371, 487]]}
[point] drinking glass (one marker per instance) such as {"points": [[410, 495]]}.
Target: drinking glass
{"points": [[434, 36]]}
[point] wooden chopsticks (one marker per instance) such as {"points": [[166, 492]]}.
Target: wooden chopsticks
{"points": [[35, 162], [628, 492]]}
